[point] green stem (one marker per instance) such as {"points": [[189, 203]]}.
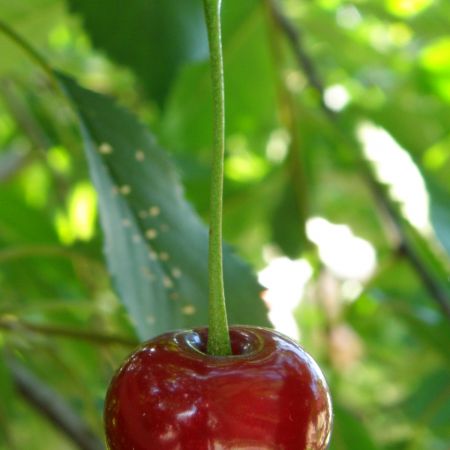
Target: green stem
{"points": [[218, 335]]}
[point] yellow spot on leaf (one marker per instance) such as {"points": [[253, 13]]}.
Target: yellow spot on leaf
{"points": [[154, 211], [125, 189], [151, 233], [164, 256], [105, 148], [189, 310], [139, 155], [167, 282], [176, 272]]}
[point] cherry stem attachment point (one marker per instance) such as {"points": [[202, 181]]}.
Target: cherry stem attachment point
{"points": [[218, 333]]}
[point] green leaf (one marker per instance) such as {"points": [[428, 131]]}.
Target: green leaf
{"points": [[430, 328], [250, 100], [349, 432], [429, 404], [156, 245], [153, 37]]}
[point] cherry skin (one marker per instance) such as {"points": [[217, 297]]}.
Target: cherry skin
{"points": [[171, 395]]}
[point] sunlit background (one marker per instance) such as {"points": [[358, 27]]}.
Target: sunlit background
{"points": [[338, 197]]}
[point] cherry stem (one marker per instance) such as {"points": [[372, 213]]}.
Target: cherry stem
{"points": [[218, 334]]}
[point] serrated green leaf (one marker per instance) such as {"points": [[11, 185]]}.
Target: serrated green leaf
{"points": [[153, 37], [156, 245]]}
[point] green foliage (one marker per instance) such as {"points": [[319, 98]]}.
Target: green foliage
{"points": [[155, 245], [381, 337], [30, 18], [7, 407], [348, 430], [168, 33]]}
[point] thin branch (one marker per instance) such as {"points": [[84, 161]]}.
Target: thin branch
{"points": [[14, 324], [29, 251], [288, 114], [24, 119], [12, 162], [51, 405], [295, 39], [405, 246], [85, 267], [435, 289]]}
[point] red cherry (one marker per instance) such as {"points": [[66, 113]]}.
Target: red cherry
{"points": [[170, 394]]}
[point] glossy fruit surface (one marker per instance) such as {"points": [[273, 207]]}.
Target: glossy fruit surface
{"points": [[169, 394]]}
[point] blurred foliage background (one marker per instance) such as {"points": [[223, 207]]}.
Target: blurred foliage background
{"points": [[336, 193]]}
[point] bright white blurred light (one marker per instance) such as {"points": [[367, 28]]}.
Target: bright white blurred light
{"points": [[351, 289], [349, 257], [277, 145], [336, 97], [348, 16], [285, 281], [395, 167]]}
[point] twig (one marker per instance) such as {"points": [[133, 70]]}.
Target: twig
{"points": [[14, 324], [85, 267], [12, 162], [295, 39], [405, 246], [50, 404], [29, 251], [22, 115], [428, 280], [288, 114]]}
